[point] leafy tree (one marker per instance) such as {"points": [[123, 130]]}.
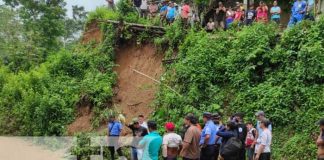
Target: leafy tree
{"points": [[74, 25], [43, 20]]}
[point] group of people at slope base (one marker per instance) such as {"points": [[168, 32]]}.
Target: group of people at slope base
{"points": [[223, 17], [234, 140]]}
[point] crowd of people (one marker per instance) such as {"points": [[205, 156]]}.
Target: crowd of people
{"points": [[233, 140], [223, 14]]}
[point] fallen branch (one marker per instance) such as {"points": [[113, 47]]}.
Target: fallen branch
{"points": [[135, 104]]}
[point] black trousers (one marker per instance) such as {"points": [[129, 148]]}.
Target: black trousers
{"points": [[112, 152], [208, 153], [265, 156], [217, 147], [242, 154]]}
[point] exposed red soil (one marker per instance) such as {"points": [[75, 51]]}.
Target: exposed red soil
{"points": [[83, 121], [136, 92], [92, 33]]}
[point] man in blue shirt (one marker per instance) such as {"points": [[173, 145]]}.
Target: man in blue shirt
{"points": [[208, 138], [151, 143], [298, 12], [114, 130], [171, 13]]}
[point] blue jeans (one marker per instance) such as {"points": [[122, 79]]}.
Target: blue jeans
{"points": [[250, 153], [134, 153]]}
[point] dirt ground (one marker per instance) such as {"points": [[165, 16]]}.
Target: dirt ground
{"points": [[93, 33], [83, 121], [136, 92]]}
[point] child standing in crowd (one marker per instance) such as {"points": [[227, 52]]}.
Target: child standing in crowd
{"points": [[249, 142], [250, 15], [171, 13], [229, 17], [210, 26], [153, 8], [275, 12], [172, 143], [144, 8], [262, 12]]}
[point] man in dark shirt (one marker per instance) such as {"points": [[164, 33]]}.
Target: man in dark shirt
{"points": [[220, 16], [242, 132], [137, 4], [250, 15], [138, 132]]}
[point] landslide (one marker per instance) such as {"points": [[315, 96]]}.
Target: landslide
{"points": [[133, 92]]}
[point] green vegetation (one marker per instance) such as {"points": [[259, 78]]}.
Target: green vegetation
{"points": [[41, 87], [244, 69], [253, 69]]}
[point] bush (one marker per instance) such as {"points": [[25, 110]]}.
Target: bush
{"points": [[42, 101], [251, 70]]}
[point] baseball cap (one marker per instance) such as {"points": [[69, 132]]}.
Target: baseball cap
{"points": [[207, 114], [169, 126], [216, 116], [259, 113]]}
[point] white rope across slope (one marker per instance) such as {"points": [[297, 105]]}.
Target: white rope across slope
{"points": [[151, 78]]}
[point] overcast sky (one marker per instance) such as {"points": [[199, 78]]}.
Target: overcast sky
{"points": [[89, 5]]}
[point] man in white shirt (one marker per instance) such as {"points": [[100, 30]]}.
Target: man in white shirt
{"points": [[262, 148], [141, 121], [171, 144]]}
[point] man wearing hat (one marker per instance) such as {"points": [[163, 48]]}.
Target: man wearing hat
{"points": [[208, 138], [172, 142], [320, 141], [138, 133]]}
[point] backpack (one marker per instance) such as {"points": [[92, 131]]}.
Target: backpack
{"points": [[250, 137], [232, 147]]}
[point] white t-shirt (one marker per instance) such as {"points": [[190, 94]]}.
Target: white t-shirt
{"points": [[171, 140], [144, 124], [144, 5], [264, 139]]}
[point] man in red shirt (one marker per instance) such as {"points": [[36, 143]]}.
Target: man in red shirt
{"points": [[185, 10]]}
